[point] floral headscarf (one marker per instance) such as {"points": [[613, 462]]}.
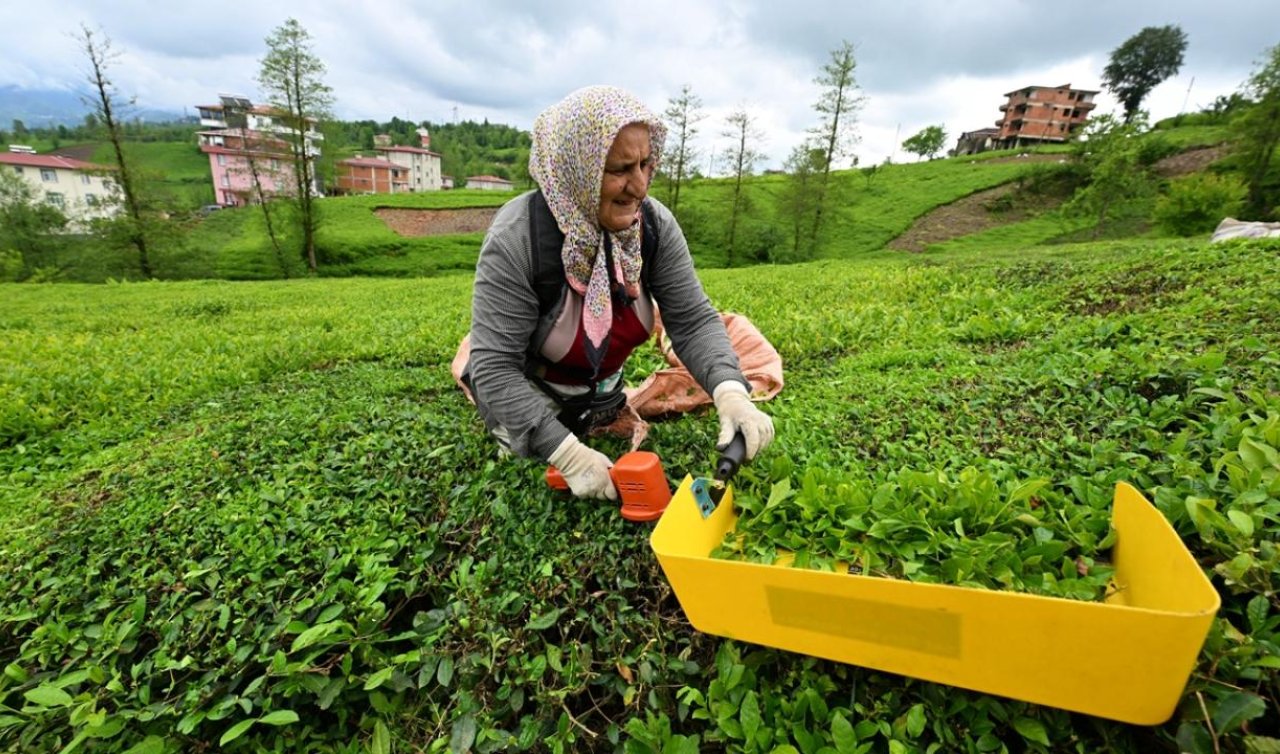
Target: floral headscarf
{"points": [[570, 142]]}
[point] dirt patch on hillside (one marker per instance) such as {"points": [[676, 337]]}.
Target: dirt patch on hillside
{"points": [[1191, 161], [972, 214], [436, 222], [1002, 205]]}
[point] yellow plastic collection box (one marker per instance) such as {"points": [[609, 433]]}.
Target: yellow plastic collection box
{"points": [[1127, 658]]}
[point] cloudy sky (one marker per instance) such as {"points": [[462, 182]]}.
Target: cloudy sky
{"points": [[920, 62]]}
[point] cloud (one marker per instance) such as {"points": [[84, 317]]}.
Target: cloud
{"points": [[919, 61]]}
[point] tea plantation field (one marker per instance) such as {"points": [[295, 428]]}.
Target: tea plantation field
{"points": [[259, 516]]}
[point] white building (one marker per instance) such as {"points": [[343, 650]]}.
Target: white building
{"points": [[489, 183], [423, 166], [81, 190]]}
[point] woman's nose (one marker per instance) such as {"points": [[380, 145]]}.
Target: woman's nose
{"points": [[638, 180]]}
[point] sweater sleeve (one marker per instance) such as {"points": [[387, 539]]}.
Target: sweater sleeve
{"points": [[504, 314], [697, 333]]}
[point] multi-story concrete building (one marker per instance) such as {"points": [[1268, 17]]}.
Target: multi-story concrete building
{"points": [[371, 175], [248, 153], [247, 165], [1038, 114], [81, 190], [422, 165]]}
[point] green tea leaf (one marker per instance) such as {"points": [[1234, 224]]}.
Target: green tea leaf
{"points": [[46, 695], [1242, 521], [915, 720], [463, 734], [1235, 710], [1256, 611], [378, 678], [749, 715], [381, 741], [1032, 730], [279, 717], [444, 673], [842, 735], [316, 634], [546, 620], [236, 731], [148, 745]]}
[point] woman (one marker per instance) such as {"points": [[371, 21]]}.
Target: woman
{"points": [[565, 289]]}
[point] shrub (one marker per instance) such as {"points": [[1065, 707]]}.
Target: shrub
{"points": [[1197, 203]]}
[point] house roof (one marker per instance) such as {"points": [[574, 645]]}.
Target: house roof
{"points": [[489, 178], [415, 150], [46, 161]]}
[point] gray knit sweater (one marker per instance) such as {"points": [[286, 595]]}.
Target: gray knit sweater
{"points": [[504, 314]]}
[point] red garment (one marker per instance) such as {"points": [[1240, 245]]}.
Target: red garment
{"points": [[626, 333]]}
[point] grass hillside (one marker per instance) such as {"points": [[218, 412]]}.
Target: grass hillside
{"points": [[261, 514], [234, 243]]}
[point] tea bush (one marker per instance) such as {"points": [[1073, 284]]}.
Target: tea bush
{"points": [[260, 517]]}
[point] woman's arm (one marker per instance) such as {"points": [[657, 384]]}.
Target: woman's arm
{"points": [[697, 333], [504, 315]]}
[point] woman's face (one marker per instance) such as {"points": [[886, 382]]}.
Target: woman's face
{"points": [[627, 171]]}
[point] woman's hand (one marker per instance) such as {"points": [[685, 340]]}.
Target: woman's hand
{"points": [[738, 413], [585, 470]]}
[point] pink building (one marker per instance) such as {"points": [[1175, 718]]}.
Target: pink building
{"points": [[244, 164], [248, 157]]}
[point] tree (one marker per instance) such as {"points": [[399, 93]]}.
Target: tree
{"points": [[1259, 130], [104, 103], [1141, 63], [682, 114], [1111, 155], [740, 159], [26, 223], [928, 143], [835, 133], [292, 83], [803, 166]]}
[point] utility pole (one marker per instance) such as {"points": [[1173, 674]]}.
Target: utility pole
{"points": [[1184, 99]]}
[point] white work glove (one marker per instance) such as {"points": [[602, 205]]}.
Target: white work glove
{"points": [[739, 414], [585, 470]]}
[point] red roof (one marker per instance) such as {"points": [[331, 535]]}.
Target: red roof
{"points": [[415, 150], [489, 178], [46, 161]]}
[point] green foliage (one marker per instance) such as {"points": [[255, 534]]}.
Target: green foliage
{"points": [[27, 226], [682, 116], [1260, 130], [1114, 157], [1197, 203], [262, 514], [1143, 61], [927, 143]]}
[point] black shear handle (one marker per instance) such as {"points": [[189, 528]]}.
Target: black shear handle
{"points": [[731, 458]]}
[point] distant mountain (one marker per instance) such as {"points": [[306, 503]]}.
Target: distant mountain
{"points": [[45, 108]]}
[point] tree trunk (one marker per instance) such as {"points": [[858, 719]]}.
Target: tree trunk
{"points": [[133, 206]]}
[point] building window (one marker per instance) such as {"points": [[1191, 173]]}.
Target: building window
{"points": [[91, 200], [226, 181], [48, 176], [17, 169], [84, 178], [55, 199], [222, 159]]}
